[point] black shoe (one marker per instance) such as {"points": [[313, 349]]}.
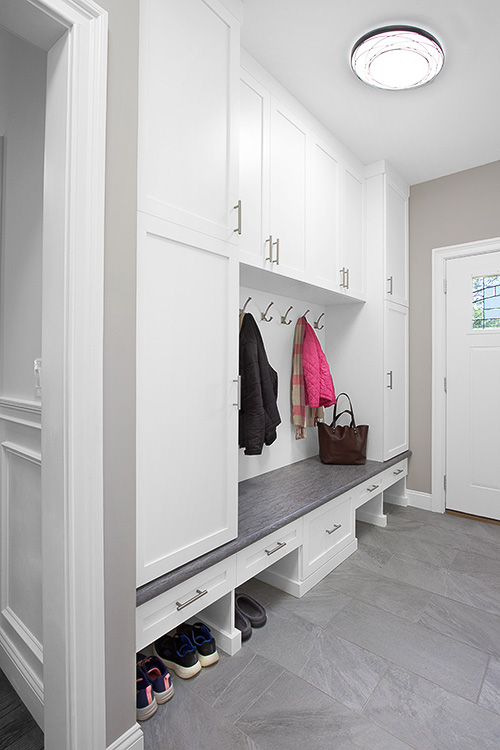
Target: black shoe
{"points": [[242, 623], [200, 635], [251, 609], [178, 654]]}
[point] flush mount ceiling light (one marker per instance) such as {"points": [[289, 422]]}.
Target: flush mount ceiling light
{"points": [[397, 57]]}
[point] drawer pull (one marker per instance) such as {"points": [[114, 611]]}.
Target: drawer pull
{"points": [[278, 546], [398, 471], [373, 487], [198, 595], [335, 528]]}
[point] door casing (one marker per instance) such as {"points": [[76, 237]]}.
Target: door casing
{"points": [[439, 257]]}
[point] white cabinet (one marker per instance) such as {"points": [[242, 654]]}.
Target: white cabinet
{"points": [[187, 385], [353, 242], [323, 256], [327, 530], [396, 379], [188, 114], [254, 170], [288, 165], [396, 250]]}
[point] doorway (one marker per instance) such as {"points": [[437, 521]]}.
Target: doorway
{"points": [[64, 629], [466, 372]]}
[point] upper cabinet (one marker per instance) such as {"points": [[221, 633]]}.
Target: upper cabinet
{"points": [[303, 203], [188, 100], [396, 251], [352, 251]]}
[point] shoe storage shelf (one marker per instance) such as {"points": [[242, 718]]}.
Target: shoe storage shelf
{"points": [[291, 534]]}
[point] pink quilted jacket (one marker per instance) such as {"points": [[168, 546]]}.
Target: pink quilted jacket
{"points": [[319, 390]]}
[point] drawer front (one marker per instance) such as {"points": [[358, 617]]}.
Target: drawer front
{"points": [[326, 531], [260, 555], [166, 611], [381, 482]]}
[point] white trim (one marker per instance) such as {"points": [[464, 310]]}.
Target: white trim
{"points": [[22, 676], [439, 257], [421, 500], [132, 739]]}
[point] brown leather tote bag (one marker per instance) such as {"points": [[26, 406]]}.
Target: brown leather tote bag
{"points": [[342, 444]]}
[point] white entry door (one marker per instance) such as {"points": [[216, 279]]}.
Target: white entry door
{"points": [[473, 384]]}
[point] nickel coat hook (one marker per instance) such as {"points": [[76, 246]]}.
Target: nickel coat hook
{"points": [[245, 305], [263, 315], [316, 323], [284, 317]]}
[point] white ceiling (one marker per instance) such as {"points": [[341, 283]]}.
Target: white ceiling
{"points": [[449, 125]]}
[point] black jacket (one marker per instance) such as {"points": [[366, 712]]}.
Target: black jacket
{"points": [[259, 414]]}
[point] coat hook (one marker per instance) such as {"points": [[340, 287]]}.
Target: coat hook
{"points": [[306, 313], [316, 323], [263, 315], [284, 317], [245, 305]]}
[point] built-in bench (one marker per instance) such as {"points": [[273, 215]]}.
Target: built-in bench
{"points": [[295, 525]]}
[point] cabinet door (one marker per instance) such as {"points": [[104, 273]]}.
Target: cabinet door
{"points": [[188, 82], [352, 278], [396, 379], [396, 251], [187, 455], [323, 210], [254, 170], [289, 140]]}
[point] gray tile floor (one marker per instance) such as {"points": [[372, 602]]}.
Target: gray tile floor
{"points": [[398, 648]]}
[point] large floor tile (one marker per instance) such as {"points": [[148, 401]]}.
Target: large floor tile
{"points": [[285, 639], [448, 583], [399, 516], [318, 606], [431, 718], [187, 722], [459, 540], [490, 692], [373, 588], [398, 541], [343, 670], [463, 623], [371, 557], [480, 567], [241, 692], [292, 715], [455, 666]]}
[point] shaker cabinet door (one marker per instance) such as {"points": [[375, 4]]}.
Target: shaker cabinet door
{"points": [[396, 379], [188, 128], [396, 250]]}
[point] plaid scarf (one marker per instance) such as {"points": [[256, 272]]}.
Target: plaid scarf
{"points": [[299, 418]]}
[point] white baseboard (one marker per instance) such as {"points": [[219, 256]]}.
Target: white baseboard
{"points": [[132, 739], [23, 678], [421, 500]]}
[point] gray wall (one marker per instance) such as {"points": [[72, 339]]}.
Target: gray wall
{"points": [[119, 364], [451, 210]]}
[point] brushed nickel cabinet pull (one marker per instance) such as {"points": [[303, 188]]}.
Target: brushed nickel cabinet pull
{"points": [[398, 471], [347, 274], [389, 291], [335, 528], [275, 549], [198, 595], [238, 228], [277, 243], [389, 375], [373, 487], [342, 283], [270, 256]]}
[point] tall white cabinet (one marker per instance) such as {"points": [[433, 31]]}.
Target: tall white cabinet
{"points": [[187, 282]]}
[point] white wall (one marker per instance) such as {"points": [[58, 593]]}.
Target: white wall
{"points": [[22, 124]]}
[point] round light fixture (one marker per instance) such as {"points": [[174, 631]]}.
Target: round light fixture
{"points": [[397, 57]]}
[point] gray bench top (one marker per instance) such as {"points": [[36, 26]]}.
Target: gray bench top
{"points": [[270, 501]]}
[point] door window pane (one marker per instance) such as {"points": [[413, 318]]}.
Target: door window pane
{"points": [[486, 301]]}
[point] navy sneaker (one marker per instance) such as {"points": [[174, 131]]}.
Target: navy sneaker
{"points": [[178, 654], [200, 635], [159, 676], [146, 701]]}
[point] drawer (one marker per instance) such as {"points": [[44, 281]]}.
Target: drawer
{"points": [[380, 482], [327, 530], [166, 611], [260, 555]]}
